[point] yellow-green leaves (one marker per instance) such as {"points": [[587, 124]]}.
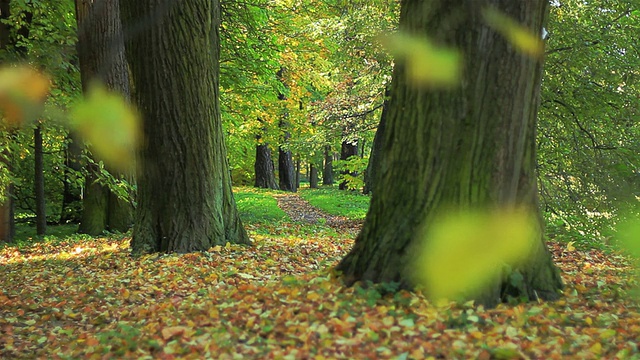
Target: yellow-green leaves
{"points": [[461, 253], [519, 36], [109, 124], [22, 94], [426, 64]]}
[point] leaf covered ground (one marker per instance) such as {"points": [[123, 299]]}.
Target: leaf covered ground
{"points": [[279, 299]]}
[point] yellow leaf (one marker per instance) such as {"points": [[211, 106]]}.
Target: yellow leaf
{"points": [[462, 252], [426, 63], [596, 348], [23, 91], [107, 121], [517, 34], [570, 246]]}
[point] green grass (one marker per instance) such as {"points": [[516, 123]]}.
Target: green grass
{"points": [[257, 206], [349, 204]]}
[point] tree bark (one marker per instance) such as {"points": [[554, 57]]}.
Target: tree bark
{"points": [[327, 173], [41, 213], [101, 55], [286, 168], [473, 146], [264, 168], [374, 158], [349, 149], [184, 186], [313, 176]]}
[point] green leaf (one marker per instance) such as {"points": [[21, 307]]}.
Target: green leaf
{"points": [[463, 251], [426, 63], [109, 124]]}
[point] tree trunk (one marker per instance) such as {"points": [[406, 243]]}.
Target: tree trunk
{"points": [[41, 213], [327, 173], [185, 201], [264, 168], [313, 176], [349, 149], [472, 146], [298, 171], [101, 55], [286, 168]]}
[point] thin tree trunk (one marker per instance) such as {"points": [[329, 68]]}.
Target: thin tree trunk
{"points": [[298, 171], [71, 193], [327, 173], [185, 201], [41, 213], [472, 146]]}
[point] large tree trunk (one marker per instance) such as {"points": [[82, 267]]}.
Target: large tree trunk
{"points": [[327, 173], [184, 186], [349, 149], [468, 147], [101, 55], [41, 213], [374, 158], [264, 168]]}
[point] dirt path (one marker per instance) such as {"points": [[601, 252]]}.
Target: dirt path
{"points": [[299, 210]]}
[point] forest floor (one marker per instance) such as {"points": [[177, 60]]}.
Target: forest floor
{"points": [[81, 299]]}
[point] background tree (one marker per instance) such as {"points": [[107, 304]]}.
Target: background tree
{"points": [[184, 188], [589, 154], [471, 146], [102, 58]]}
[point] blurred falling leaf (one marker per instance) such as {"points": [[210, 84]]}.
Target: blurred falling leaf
{"points": [[23, 91], [426, 63], [462, 252], [107, 121], [518, 35]]}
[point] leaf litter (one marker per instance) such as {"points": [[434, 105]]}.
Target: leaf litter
{"points": [[279, 299]]}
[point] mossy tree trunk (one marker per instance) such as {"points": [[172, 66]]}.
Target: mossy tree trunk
{"points": [[102, 58], [471, 146], [185, 201]]}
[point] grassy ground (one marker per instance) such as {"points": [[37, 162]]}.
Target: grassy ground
{"points": [[336, 202], [279, 298], [258, 206]]}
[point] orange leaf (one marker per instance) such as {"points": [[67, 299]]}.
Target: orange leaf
{"points": [[171, 331]]}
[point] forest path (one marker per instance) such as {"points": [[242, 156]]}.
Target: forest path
{"points": [[300, 210]]}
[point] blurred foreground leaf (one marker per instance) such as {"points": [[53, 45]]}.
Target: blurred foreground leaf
{"points": [[426, 63], [22, 94], [111, 126], [519, 36], [462, 252]]}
